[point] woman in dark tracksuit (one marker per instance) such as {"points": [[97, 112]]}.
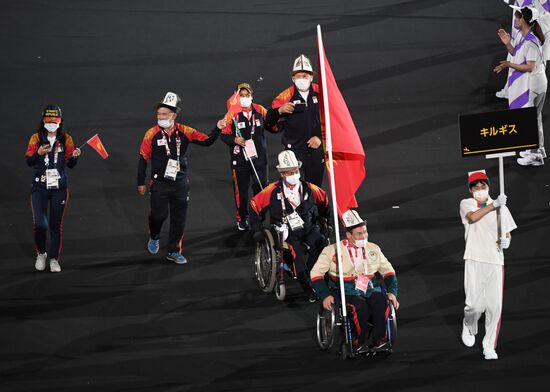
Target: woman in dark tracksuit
{"points": [[242, 127], [49, 151]]}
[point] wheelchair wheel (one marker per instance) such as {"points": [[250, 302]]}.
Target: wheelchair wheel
{"points": [[326, 324], [280, 291], [392, 327], [266, 262]]}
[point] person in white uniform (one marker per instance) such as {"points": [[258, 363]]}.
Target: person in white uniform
{"points": [[527, 81], [484, 260]]}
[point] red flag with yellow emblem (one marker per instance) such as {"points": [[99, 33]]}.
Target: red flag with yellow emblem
{"points": [[340, 134], [95, 143]]}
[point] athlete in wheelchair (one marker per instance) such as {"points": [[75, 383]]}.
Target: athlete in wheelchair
{"points": [[370, 305], [294, 238]]}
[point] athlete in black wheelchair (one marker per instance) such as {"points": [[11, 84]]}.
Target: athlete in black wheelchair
{"points": [[371, 306], [295, 236]]}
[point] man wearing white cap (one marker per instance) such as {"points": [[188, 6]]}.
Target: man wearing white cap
{"points": [[484, 260], [165, 146], [296, 113], [362, 261], [294, 205]]}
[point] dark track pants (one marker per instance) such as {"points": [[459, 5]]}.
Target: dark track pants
{"points": [[302, 266], [375, 308], [313, 164], [243, 176], [56, 200], [174, 196]]}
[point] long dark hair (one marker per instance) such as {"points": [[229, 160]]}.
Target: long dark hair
{"points": [[527, 14]]}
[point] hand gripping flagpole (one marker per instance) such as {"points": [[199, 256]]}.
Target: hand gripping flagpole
{"points": [[246, 156], [332, 182]]}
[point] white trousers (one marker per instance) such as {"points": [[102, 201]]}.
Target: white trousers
{"points": [[483, 285]]}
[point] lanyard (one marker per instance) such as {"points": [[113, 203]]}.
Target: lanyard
{"points": [[178, 143], [252, 119], [353, 260], [55, 155], [289, 202]]}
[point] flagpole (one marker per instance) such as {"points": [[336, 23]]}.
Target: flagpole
{"points": [[246, 156], [331, 169]]}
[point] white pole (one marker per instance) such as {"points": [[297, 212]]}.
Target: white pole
{"points": [[330, 167], [500, 157]]}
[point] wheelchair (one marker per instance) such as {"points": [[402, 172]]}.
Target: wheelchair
{"points": [[331, 331], [273, 260]]}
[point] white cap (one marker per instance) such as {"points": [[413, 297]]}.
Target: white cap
{"points": [[171, 101], [288, 161], [351, 218], [302, 64], [534, 11]]}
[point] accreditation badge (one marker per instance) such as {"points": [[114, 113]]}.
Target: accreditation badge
{"points": [[250, 149], [172, 169], [362, 283], [314, 99], [52, 179], [294, 221]]}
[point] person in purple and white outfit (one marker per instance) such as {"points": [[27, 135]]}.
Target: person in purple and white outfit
{"points": [[543, 8], [527, 81]]}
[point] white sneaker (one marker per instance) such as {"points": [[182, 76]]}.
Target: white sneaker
{"points": [[502, 94], [40, 264], [490, 354], [467, 338], [531, 160], [525, 153], [54, 266]]}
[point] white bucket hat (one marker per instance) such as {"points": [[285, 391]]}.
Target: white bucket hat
{"points": [[170, 101], [288, 161], [302, 64], [352, 219]]}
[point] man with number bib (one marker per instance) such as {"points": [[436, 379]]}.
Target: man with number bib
{"points": [[295, 111], [294, 205], [361, 261], [165, 146], [244, 134]]}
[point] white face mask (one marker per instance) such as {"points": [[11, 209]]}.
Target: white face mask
{"points": [[51, 127], [360, 243], [481, 195], [293, 179], [302, 84], [165, 123], [246, 102]]}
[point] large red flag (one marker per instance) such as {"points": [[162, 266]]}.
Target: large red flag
{"points": [[96, 144], [347, 150]]}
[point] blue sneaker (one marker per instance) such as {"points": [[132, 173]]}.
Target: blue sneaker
{"points": [[176, 257], [153, 246]]}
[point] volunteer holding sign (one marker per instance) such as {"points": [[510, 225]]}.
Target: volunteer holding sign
{"points": [[49, 151], [361, 260], [165, 146], [484, 260], [296, 113], [244, 134]]}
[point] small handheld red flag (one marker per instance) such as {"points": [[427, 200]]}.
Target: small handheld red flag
{"points": [[96, 144], [234, 104]]}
